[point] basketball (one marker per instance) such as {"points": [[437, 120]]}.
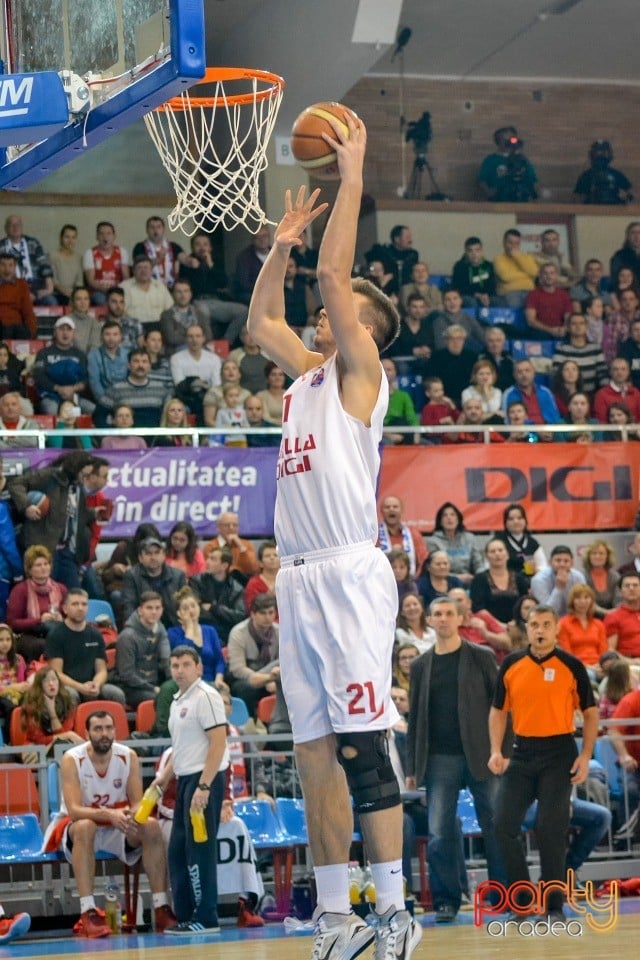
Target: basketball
{"points": [[307, 145], [37, 498]]}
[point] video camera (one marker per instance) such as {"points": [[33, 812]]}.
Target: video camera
{"points": [[420, 133]]}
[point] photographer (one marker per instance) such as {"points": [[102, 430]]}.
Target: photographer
{"points": [[506, 176], [602, 183]]}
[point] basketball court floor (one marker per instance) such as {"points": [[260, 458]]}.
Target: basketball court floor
{"points": [[271, 943]]}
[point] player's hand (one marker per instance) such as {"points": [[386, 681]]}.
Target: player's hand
{"points": [[350, 147], [297, 217], [121, 819]]}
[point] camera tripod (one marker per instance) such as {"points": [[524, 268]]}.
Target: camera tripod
{"points": [[415, 190]]}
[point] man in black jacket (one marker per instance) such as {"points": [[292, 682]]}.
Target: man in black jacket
{"points": [[64, 526], [152, 573], [222, 596], [452, 688]]}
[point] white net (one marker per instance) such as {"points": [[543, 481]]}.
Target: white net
{"points": [[214, 150]]}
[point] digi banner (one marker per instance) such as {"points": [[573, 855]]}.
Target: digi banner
{"points": [[562, 486], [162, 486]]}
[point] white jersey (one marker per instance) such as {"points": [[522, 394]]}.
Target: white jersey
{"points": [[327, 466], [109, 790]]}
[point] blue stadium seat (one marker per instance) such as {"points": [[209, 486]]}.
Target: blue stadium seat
{"points": [[97, 608], [239, 712], [262, 823], [292, 819], [21, 840], [606, 755], [533, 349], [509, 316], [53, 788], [440, 280]]}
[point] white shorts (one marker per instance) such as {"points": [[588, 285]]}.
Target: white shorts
{"points": [[337, 612], [108, 840]]}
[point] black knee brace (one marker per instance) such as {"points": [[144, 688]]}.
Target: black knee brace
{"points": [[370, 775]]}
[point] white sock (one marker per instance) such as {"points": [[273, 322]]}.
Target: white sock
{"points": [[332, 884], [388, 881], [159, 900], [87, 903]]}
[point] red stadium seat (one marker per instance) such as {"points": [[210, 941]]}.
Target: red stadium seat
{"points": [[115, 709]]}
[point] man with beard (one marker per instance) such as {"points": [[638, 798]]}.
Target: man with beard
{"points": [[101, 790]]}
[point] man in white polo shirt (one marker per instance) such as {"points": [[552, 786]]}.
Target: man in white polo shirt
{"points": [[198, 728]]}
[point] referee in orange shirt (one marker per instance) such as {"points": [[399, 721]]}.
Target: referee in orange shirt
{"points": [[541, 686]]}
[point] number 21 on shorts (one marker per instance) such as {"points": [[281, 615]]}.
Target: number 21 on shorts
{"points": [[363, 698]]}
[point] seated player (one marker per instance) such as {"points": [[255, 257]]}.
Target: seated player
{"points": [[101, 790]]}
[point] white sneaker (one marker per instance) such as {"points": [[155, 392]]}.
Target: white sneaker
{"points": [[397, 934], [339, 936]]}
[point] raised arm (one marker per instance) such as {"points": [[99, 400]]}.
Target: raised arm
{"points": [[266, 321], [356, 349]]}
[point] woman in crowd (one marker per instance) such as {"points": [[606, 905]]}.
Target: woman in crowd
{"points": [[580, 632], [265, 581], [599, 563], [626, 281], [620, 415], [401, 411], [412, 625], [616, 685], [175, 416], [272, 397], [11, 375], [517, 626], [183, 550], [87, 328], [497, 588], [404, 657], [124, 555], [48, 711], [483, 388], [123, 419], [201, 636], [67, 419], [567, 381], [525, 553], [13, 676], [401, 566], [436, 579], [579, 410], [214, 397], [36, 603], [66, 265], [462, 547]]}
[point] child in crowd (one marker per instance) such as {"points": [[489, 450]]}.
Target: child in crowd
{"points": [[67, 419], [593, 308], [13, 675], [214, 397], [232, 414], [439, 410], [401, 566]]}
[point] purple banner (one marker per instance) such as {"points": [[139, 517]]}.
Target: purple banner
{"points": [[163, 486]]}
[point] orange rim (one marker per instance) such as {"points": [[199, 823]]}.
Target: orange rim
{"points": [[220, 74]]}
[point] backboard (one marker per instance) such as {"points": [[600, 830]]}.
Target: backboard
{"points": [[122, 58]]}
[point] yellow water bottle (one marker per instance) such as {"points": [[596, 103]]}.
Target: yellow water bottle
{"points": [[199, 826], [149, 799]]}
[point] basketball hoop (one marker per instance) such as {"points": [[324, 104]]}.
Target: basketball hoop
{"points": [[213, 186]]}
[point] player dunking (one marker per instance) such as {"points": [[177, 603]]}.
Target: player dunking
{"points": [[336, 594]]}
